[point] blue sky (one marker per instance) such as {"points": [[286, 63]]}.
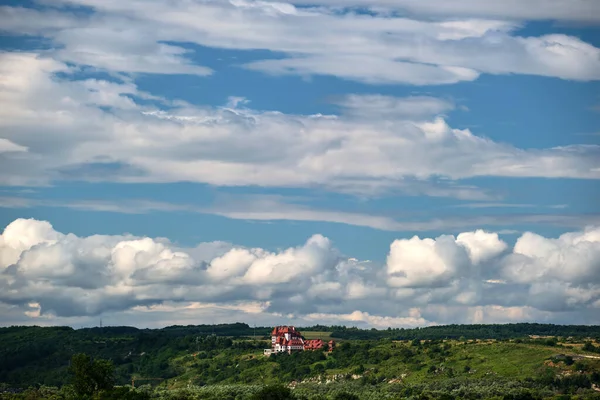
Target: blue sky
{"points": [[258, 124]]}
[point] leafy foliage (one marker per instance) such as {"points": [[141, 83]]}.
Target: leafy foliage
{"points": [[195, 366], [481, 331], [275, 392], [90, 376]]}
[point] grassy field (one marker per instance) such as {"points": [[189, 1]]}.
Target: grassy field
{"points": [[389, 361], [317, 335], [474, 360]]}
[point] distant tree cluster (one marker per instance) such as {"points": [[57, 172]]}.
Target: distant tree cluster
{"points": [[36, 355], [491, 331]]}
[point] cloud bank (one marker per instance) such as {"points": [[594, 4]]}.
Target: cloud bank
{"points": [[562, 10], [99, 129], [71, 110], [47, 276], [462, 40]]}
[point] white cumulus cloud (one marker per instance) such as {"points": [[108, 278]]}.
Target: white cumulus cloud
{"points": [[573, 257], [92, 127], [474, 277]]}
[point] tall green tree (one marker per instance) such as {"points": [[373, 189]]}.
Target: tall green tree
{"points": [[91, 376]]}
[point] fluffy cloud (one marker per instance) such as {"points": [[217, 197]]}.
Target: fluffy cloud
{"points": [[6, 146], [121, 271], [424, 262], [480, 245], [573, 10], [49, 276], [537, 258], [135, 36], [436, 262], [378, 106], [402, 143]]}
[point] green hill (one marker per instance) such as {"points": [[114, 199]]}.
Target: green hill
{"points": [[176, 358]]}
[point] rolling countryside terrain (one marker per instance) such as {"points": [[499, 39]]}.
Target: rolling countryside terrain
{"points": [[227, 361]]}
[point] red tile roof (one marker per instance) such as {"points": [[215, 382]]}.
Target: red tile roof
{"points": [[281, 330]]}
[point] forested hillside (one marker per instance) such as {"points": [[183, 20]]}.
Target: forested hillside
{"points": [[492, 331], [207, 358]]}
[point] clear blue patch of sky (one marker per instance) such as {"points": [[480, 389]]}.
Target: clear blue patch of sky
{"points": [[40, 5], [19, 3], [580, 196], [529, 111], [201, 195], [10, 42], [177, 193]]}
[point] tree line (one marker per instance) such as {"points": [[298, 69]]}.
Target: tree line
{"points": [[476, 331]]}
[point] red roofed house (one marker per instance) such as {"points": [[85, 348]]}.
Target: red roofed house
{"points": [[313, 344], [288, 339]]}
